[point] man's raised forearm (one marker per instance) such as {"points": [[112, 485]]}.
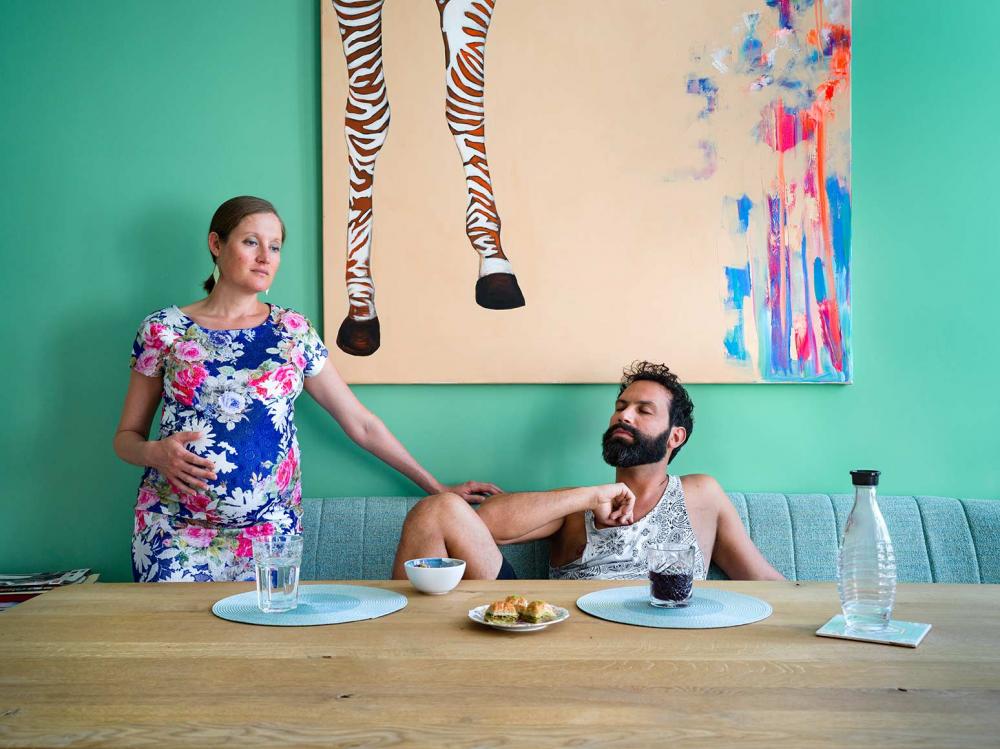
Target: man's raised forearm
{"points": [[513, 516]]}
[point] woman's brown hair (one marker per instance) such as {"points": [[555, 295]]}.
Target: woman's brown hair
{"points": [[228, 216]]}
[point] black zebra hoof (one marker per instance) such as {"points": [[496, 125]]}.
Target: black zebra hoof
{"points": [[499, 291], [359, 337]]}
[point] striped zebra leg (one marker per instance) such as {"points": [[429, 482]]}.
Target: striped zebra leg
{"points": [[464, 24], [366, 123]]}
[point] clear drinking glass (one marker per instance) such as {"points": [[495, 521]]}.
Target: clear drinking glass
{"points": [[276, 562], [671, 574]]}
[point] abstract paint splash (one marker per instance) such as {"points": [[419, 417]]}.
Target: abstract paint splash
{"points": [[704, 87], [795, 228]]}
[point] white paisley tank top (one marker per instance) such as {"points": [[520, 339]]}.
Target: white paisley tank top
{"points": [[619, 553]]}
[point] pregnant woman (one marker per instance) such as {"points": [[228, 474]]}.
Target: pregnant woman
{"points": [[228, 369]]}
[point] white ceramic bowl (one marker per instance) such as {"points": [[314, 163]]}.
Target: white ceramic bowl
{"points": [[434, 575]]}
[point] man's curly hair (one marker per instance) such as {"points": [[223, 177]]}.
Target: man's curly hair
{"points": [[681, 405]]}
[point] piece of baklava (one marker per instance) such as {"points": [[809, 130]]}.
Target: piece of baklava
{"points": [[538, 611], [501, 612], [519, 602]]}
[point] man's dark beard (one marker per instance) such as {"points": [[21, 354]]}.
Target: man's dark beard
{"points": [[642, 451]]}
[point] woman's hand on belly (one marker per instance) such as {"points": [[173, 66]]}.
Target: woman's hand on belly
{"points": [[177, 464]]}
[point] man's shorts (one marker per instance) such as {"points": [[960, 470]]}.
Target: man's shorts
{"points": [[506, 570]]}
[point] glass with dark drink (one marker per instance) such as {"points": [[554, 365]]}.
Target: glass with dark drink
{"points": [[671, 574]]}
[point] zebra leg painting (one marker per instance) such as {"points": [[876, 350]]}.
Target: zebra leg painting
{"points": [[365, 123], [464, 26]]}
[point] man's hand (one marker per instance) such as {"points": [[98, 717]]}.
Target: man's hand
{"points": [[613, 504]]}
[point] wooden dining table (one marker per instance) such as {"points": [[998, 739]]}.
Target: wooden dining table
{"points": [[128, 665]]}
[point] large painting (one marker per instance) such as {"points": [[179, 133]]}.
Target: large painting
{"points": [[545, 190]]}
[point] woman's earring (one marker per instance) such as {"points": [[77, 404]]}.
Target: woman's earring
{"points": [[215, 273], [267, 291]]}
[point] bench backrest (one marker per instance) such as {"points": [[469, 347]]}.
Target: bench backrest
{"points": [[937, 539]]}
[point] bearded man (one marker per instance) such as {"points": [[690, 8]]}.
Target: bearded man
{"points": [[601, 532]]}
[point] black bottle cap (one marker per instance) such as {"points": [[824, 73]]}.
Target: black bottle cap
{"points": [[866, 477]]}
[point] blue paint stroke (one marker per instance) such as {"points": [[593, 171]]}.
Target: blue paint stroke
{"points": [[820, 281], [737, 285], [845, 335], [795, 93], [738, 289], [828, 371], [779, 343], [784, 7], [704, 87], [743, 206], [839, 200], [751, 49], [784, 12]]}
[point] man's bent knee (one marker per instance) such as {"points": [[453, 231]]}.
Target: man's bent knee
{"points": [[433, 508]]}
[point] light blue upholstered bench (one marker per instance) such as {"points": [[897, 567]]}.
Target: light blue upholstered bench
{"points": [[937, 539]]}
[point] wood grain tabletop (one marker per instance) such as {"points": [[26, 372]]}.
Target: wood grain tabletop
{"points": [[124, 665]]}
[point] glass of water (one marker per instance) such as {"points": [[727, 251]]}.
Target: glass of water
{"points": [[276, 562]]}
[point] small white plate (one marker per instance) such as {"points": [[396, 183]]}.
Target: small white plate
{"points": [[478, 615]]}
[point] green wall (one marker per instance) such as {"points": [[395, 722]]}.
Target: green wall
{"points": [[125, 123]]}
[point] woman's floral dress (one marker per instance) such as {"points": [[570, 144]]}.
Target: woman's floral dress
{"points": [[238, 388]]}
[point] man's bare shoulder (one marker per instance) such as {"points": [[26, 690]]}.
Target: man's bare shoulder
{"points": [[703, 491]]}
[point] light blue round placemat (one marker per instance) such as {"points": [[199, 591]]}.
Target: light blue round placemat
{"points": [[709, 608], [318, 604]]}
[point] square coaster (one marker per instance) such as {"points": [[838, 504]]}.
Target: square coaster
{"points": [[905, 634]]}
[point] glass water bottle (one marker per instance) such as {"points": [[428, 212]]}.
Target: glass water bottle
{"points": [[866, 566]]}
